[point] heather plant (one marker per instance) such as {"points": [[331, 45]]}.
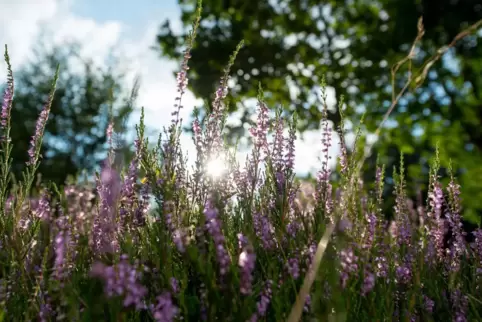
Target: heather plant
{"points": [[247, 242]]}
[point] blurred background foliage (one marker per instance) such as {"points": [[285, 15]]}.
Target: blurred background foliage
{"points": [[291, 44], [75, 134]]}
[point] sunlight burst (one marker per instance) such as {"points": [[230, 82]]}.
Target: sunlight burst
{"points": [[216, 167]]}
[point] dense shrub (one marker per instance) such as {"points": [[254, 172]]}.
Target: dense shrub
{"points": [[230, 242]]}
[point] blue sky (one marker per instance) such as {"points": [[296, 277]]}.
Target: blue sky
{"points": [[135, 14], [129, 26]]}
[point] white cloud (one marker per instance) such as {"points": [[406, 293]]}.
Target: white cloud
{"points": [[25, 20], [20, 20]]}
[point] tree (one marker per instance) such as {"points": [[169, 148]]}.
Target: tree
{"points": [[75, 134], [292, 43]]}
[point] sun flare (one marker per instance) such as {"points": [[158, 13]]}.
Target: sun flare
{"points": [[216, 167]]}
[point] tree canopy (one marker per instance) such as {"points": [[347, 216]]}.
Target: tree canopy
{"points": [[291, 44], [87, 98]]}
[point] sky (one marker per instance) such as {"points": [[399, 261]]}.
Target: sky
{"points": [[129, 26]]}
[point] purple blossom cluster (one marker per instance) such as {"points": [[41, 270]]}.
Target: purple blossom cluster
{"points": [[164, 310], [476, 246], [7, 103], [213, 226], [264, 230], [428, 303], [263, 302], [368, 282], [349, 266], [259, 133], [122, 279], [246, 263], [104, 234], [39, 130], [293, 267], [62, 245]]}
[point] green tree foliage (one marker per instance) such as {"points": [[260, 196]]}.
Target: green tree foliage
{"points": [[354, 44], [75, 134]]}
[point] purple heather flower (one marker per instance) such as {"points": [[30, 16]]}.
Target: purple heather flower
{"points": [[278, 145], [292, 196], [104, 232], [263, 302], [39, 131], [280, 181], [7, 103], [349, 265], [323, 176], [344, 225], [436, 200], [307, 306], [459, 306], [60, 246], [178, 238], [293, 268], [343, 158], [246, 263], [379, 182], [402, 222], [174, 285], [454, 191], [368, 282], [7, 99], [213, 140], [128, 194], [293, 227], [242, 241], [43, 210], [62, 243], [428, 303], [476, 247], [309, 253], [108, 133], [436, 224], [290, 147], [111, 186], [182, 81], [203, 300], [370, 229], [259, 133], [458, 246], [438, 234], [121, 280], [164, 310], [264, 230], [213, 226], [46, 311], [196, 128], [403, 273], [381, 266], [142, 206]]}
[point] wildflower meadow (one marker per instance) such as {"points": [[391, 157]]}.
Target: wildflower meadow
{"points": [[225, 241]]}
